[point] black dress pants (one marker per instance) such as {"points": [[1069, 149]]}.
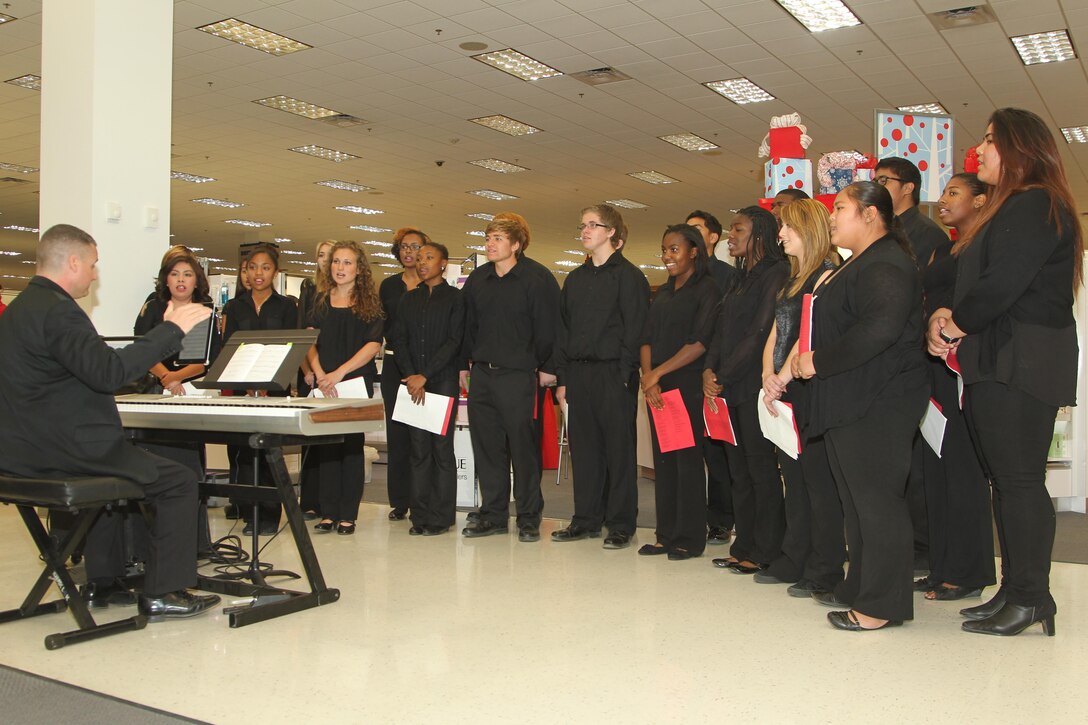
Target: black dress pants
{"points": [[501, 407], [828, 550], [171, 564], [599, 423], [757, 488], [1013, 432], [870, 459], [719, 488], [961, 539], [916, 501], [789, 566], [680, 479], [433, 500], [342, 473], [398, 446]]}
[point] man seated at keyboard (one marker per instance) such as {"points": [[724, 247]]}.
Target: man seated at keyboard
{"points": [[58, 418]]}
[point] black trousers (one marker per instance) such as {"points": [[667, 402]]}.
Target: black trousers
{"points": [[719, 487], [870, 459], [171, 565], [1013, 432], [501, 407], [757, 488], [309, 479], [398, 445], [961, 540], [789, 565], [433, 499], [599, 424], [916, 500], [341, 474], [679, 476], [827, 553]]}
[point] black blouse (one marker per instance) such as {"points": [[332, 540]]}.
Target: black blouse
{"points": [[428, 333], [938, 280], [277, 313], [744, 322], [867, 336], [787, 317], [150, 317], [390, 291], [342, 335], [681, 317], [1014, 299]]}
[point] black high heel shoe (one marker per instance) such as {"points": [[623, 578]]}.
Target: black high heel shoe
{"points": [[987, 610], [1014, 619]]}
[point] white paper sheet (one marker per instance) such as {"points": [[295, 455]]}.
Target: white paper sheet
{"points": [[255, 363], [932, 427], [354, 388], [782, 431], [432, 415]]}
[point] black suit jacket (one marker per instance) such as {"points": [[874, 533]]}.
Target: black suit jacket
{"points": [[57, 379]]}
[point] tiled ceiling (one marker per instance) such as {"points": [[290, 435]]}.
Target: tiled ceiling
{"points": [[399, 65]]}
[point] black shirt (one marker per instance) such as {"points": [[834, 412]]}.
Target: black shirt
{"points": [[277, 313], [923, 233], [866, 336], [429, 332], [744, 322], [342, 335], [938, 281], [306, 294], [391, 290], [681, 317], [602, 311], [724, 274], [510, 321], [150, 317]]}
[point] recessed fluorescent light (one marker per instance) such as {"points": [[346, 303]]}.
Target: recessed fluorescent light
{"points": [[297, 107], [923, 108], [576, 252], [253, 37], [493, 195], [292, 252], [383, 255], [474, 247], [476, 233], [191, 178], [500, 166], [17, 228], [689, 142], [740, 90], [248, 223], [389, 265], [482, 215], [13, 276], [559, 271], [653, 177], [626, 203], [1075, 134], [29, 81], [218, 202], [359, 209], [1049, 47], [568, 263], [518, 64], [213, 259], [376, 243], [17, 168], [820, 15], [651, 266], [323, 153], [28, 261], [6, 253], [368, 228], [507, 125], [281, 240], [6, 18], [343, 185]]}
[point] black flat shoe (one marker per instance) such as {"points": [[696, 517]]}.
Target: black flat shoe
{"points": [[762, 577], [724, 563], [848, 621], [652, 550], [309, 516], [345, 528], [989, 609], [179, 604], [681, 555], [325, 526], [416, 531], [1014, 619], [231, 511], [951, 594], [739, 568], [828, 600], [99, 595], [398, 514], [575, 533]]}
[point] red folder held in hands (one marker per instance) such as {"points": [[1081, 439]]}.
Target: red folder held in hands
{"points": [[672, 423], [717, 422], [804, 340]]}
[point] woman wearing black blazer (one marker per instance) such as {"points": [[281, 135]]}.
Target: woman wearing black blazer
{"points": [[868, 394], [1012, 329]]}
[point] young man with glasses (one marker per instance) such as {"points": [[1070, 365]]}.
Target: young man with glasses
{"points": [[904, 182]]}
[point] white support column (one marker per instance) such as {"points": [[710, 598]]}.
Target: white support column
{"points": [[105, 141]]}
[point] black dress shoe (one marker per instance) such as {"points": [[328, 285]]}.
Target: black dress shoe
{"points": [[398, 514], [98, 595], [804, 589], [482, 528], [1013, 619], [247, 530], [739, 568], [528, 533], [724, 563], [617, 540], [828, 600], [718, 535], [989, 609], [472, 517], [324, 527], [269, 528], [848, 621], [762, 577], [181, 603], [231, 511], [435, 530], [416, 531], [681, 555], [574, 532], [652, 550]]}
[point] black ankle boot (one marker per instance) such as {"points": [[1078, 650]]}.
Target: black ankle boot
{"points": [[1014, 619], [989, 609]]}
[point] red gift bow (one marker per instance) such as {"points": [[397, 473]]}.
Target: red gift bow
{"points": [[868, 163]]}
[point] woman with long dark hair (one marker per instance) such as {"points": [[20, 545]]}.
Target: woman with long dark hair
{"points": [[679, 329], [961, 538], [869, 392], [1012, 330], [734, 370]]}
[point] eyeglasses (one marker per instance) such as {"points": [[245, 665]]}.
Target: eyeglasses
{"points": [[592, 225], [411, 247], [883, 180]]}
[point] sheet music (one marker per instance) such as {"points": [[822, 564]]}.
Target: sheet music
{"points": [[781, 430], [255, 363], [433, 415], [196, 344], [354, 388], [672, 423]]}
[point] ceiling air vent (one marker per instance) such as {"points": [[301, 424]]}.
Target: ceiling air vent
{"points": [[343, 120], [962, 17], [600, 76]]}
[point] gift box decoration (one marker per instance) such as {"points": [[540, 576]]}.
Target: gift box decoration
{"points": [[838, 169], [787, 139], [925, 140], [780, 174]]}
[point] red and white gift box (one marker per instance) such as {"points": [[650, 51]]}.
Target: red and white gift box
{"points": [[780, 174]]}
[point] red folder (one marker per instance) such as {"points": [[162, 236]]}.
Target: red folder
{"points": [[804, 341], [672, 423], [718, 424], [953, 364]]}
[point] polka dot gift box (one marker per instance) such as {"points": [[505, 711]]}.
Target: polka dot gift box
{"points": [[924, 139], [788, 168], [779, 174]]}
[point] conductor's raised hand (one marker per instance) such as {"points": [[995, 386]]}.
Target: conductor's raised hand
{"points": [[187, 316]]}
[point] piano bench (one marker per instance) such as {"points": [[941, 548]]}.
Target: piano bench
{"points": [[85, 497]]}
